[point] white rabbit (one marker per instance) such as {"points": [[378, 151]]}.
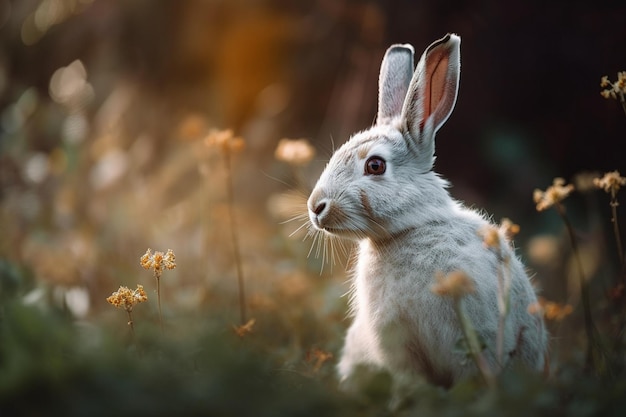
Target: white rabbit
{"points": [[379, 189]]}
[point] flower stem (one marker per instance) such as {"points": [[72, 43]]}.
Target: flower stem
{"points": [[474, 344], [622, 101], [618, 240], [584, 289], [234, 236], [504, 280], [158, 290], [130, 323]]}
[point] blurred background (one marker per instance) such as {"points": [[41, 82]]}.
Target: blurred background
{"points": [[105, 108]]}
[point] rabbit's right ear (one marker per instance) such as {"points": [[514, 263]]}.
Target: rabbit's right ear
{"points": [[432, 93], [396, 72]]}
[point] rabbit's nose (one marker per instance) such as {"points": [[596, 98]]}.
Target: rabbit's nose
{"points": [[319, 208]]}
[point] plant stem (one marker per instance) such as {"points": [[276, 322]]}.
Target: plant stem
{"points": [[504, 280], [618, 240], [584, 289], [158, 289], [130, 323], [474, 344], [234, 237]]}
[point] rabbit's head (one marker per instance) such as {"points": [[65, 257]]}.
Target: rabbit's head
{"points": [[380, 182]]}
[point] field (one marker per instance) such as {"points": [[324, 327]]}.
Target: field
{"points": [[156, 158]]}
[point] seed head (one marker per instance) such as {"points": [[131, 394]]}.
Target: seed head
{"points": [[550, 310], [554, 194], [456, 284], [225, 140], [126, 298], [618, 88], [244, 329], [611, 182], [158, 260], [294, 151]]}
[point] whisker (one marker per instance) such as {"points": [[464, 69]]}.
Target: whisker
{"points": [[278, 180], [301, 216], [315, 236], [302, 226]]}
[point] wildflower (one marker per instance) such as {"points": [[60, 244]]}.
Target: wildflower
{"points": [[158, 260], [294, 151], [490, 235], [225, 140], [615, 90], [543, 250], [244, 329], [456, 284], [554, 194], [126, 298], [192, 127], [607, 94], [618, 87], [604, 81], [550, 310], [319, 356], [508, 228], [611, 182]]}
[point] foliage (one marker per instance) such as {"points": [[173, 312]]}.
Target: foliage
{"points": [[128, 125]]}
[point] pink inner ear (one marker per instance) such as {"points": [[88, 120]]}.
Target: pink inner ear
{"points": [[436, 71]]}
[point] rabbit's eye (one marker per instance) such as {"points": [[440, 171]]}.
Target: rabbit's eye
{"points": [[375, 165]]}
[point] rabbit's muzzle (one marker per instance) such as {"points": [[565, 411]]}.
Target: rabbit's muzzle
{"points": [[324, 212], [320, 213]]}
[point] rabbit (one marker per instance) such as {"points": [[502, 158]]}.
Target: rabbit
{"points": [[379, 189]]}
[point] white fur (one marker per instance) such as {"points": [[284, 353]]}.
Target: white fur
{"points": [[409, 229]]}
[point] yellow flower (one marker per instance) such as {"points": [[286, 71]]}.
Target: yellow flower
{"points": [[618, 87], [456, 284], [126, 298], [509, 228], [493, 235], [550, 310], [554, 194], [490, 235], [621, 80], [244, 329], [158, 260], [294, 151], [319, 357], [611, 182], [225, 140], [604, 81]]}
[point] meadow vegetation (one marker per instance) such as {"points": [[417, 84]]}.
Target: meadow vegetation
{"points": [[241, 311]]}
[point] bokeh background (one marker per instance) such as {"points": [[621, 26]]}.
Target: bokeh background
{"points": [[105, 107]]}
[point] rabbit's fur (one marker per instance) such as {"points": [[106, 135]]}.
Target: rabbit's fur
{"points": [[409, 230]]}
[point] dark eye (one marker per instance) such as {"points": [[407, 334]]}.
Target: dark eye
{"points": [[375, 165]]}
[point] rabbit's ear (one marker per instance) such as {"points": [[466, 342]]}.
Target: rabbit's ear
{"points": [[396, 72], [433, 90]]}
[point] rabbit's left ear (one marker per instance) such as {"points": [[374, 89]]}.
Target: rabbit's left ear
{"points": [[396, 72], [433, 90]]}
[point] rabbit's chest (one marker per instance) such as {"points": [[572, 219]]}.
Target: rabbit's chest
{"points": [[390, 292]]}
